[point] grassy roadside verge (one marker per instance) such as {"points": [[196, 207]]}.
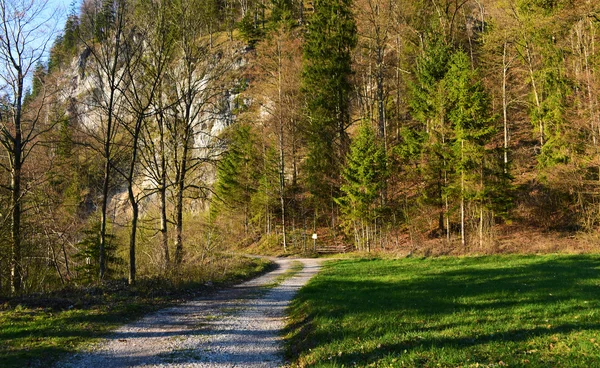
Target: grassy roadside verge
{"points": [[534, 311], [39, 331]]}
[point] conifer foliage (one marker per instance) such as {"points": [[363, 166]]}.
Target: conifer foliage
{"points": [[472, 130], [363, 179], [330, 39]]}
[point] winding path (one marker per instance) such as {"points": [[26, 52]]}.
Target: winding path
{"points": [[237, 327]]}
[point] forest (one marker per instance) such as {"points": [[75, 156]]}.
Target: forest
{"points": [[149, 138]]}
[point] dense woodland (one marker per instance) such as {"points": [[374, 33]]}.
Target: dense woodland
{"points": [[163, 132]]}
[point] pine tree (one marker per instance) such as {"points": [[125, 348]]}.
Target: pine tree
{"points": [[469, 115], [237, 175], [331, 36], [428, 102], [363, 175], [554, 89]]}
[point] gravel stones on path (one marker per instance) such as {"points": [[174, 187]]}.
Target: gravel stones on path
{"points": [[237, 327]]}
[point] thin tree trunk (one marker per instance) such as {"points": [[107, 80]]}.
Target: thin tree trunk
{"points": [[281, 152], [104, 214], [163, 200], [462, 197], [180, 188], [380, 97], [132, 237], [183, 168], [505, 107], [16, 268], [104, 217], [368, 239], [382, 131], [442, 211], [66, 258], [294, 158], [179, 215], [107, 163], [481, 227], [133, 201], [481, 209]]}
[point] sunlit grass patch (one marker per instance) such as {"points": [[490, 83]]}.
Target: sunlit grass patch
{"points": [[537, 311]]}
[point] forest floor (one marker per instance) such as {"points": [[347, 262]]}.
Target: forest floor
{"points": [[240, 326]]}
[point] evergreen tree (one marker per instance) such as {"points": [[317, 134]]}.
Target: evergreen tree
{"points": [[237, 175], [282, 10], [249, 28], [88, 255], [265, 199], [363, 175], [428, 102], [330, 38], [469, 115], [106, 18], [65, 46], [554, 89]]}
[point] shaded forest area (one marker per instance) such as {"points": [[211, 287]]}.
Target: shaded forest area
{"points": [[160, 134]]}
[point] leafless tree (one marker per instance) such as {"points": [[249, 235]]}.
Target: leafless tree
{"points": [[199, 83], [145, 67], [25, 35], [106, 43]]}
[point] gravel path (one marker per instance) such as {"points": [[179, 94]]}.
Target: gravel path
{"points": [[237, 327]]}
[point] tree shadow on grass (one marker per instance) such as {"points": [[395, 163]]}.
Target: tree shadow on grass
{"points": [[445, 294]]}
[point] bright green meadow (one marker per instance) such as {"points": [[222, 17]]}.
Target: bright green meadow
{"points": [[518, 311]]}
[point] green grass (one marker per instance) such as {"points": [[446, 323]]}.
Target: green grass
{"points": [[530, 311], [38, 331]]}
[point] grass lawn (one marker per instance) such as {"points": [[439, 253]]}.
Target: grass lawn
{"points": [[38, 331], [530, 311]]}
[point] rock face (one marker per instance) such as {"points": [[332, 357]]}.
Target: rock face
{"points": [[214, 109]]}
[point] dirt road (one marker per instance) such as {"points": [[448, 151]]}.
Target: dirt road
{"points": [[237, 327]]}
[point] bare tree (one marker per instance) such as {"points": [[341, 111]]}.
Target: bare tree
{"points": [[145, 67], [106, 44], [25, 34], [199, 85]]}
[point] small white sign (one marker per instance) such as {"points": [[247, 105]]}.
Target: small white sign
{"points": [[314, 236]]}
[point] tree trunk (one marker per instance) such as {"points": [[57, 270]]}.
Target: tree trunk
{"points": [[179, 217], [380, 97], [462, 197], [294, 159], [481, 227], [442, 212], [16, 270], [505, 107], [133, 201], [107, 164], [382, 124], [163, 200], [16, 267], [182, 170], [132, 238], [104, 219], [281, 153]]}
